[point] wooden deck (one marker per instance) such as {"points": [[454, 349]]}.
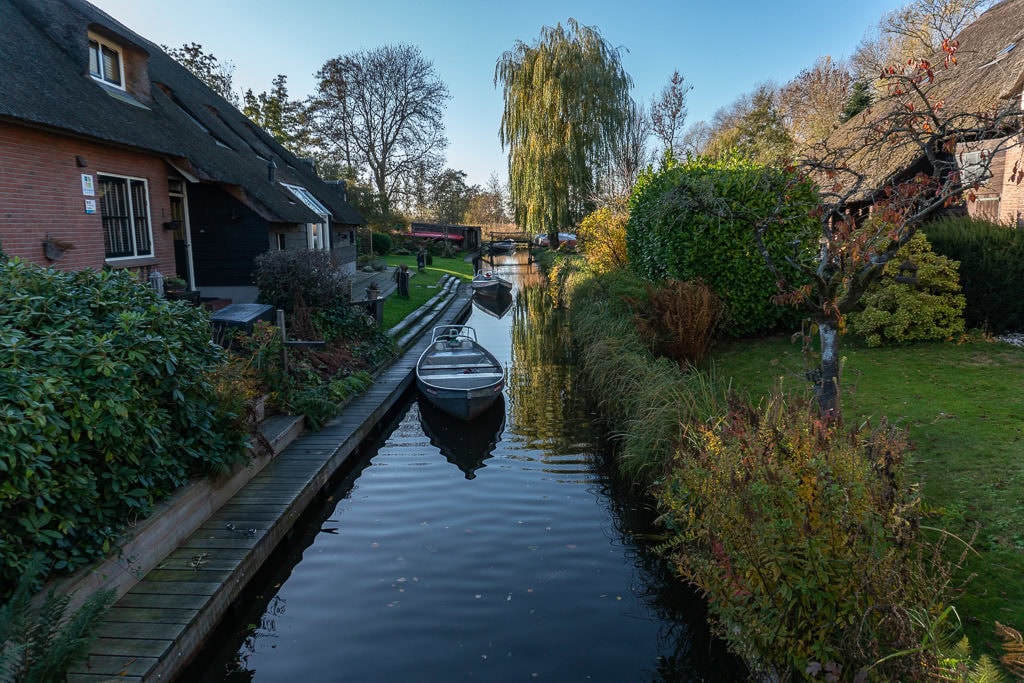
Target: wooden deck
{"points": [[158, 626]]}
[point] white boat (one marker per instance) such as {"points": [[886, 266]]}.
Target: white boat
{"points": [[489, 283], [457, 374], [503, 247]]}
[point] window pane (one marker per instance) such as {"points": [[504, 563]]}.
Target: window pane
{"points": [[116, 225], [143, 245], [94, 58], [111, 66]]}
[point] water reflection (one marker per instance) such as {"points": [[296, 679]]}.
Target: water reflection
{"points": [[538, 568], [545, 408], [496, 305], [464, 444]]}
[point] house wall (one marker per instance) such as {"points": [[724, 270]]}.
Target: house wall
{"points": [[41, 194], [1011, 203], [226, 236], [1001, 197]]}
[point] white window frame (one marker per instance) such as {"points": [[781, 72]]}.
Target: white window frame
{"points": [[317, 234], [100, 175], [975, 167], [100, 73]]}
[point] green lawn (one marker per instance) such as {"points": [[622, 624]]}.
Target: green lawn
{"points": [[963, 405], [422, 286]]}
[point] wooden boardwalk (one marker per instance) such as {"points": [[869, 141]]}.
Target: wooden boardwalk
{"points": [[158, 626]]}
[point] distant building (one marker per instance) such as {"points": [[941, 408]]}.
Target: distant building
{"points": [[114, 152], [467, 237]]}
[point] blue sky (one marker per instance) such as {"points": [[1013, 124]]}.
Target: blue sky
{"points": [[724, 49]]}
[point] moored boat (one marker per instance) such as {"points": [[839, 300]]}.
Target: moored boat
{"points": [[457, 374], [503, 247], [489, 283]]}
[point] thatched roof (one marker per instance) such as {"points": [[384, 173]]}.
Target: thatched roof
{"points": [[987, 77], [44, 82]]}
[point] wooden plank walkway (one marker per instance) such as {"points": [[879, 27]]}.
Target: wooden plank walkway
{"points": [[157, 627]]}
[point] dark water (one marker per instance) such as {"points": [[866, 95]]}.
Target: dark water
{"points": [[507, 552]]}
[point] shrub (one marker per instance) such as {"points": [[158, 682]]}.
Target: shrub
{"points": [[106, 406], [381, 243], [802, 538], [696, 221], [602, 239], [930, 309], [646, 398], [679, 320], [309, 277], [991, 260]]}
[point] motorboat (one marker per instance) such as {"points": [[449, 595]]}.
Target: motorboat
{"points": [[457, 374], [489, 283], [503, 247], [466, 446], [497, 305]]}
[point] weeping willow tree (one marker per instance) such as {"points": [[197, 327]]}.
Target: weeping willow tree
{"points": [[566, 99]]}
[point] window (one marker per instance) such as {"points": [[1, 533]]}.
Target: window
{"points": [[282, 241], [105, 62], [975, 167], [124, 206]]}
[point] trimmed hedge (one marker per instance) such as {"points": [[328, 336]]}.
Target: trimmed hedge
{"points": [[991, 260], [695, 221], [106, 406]]}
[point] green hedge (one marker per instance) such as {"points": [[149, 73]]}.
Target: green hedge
{"points": [[991, 260], [695, 221], [106, 406]]}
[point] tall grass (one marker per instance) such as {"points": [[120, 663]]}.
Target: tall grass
{"points": [[649, 398]]}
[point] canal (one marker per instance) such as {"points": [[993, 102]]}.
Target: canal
{"points": [[505, 550]]}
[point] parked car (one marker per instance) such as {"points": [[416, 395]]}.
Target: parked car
{"points": [[567, 239]]}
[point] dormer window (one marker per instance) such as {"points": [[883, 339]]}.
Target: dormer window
{"points": [[106, 62]]}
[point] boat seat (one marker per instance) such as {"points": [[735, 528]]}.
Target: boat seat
{"points": [[456, 367], [474, 376]]}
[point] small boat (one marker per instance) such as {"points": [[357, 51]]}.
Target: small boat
{"points": [[497, 305], [457, 374], [465, 446], [503, 247], [489, 283]]}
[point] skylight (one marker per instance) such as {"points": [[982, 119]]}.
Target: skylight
{"points": [[307, 198]]}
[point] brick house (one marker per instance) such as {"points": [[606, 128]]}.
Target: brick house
{"points": [[983, 91], [114, 155]]}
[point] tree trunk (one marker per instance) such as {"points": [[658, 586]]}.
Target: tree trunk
{"points": [[827, 388]]}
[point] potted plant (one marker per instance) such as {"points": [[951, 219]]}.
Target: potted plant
{"points": [[177, 289], [175, 284]]}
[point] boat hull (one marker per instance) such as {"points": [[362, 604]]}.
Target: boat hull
{"points": [[463, 404], [457, 375]]}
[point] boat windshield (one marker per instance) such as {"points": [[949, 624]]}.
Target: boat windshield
{"points": [[454, 333]]}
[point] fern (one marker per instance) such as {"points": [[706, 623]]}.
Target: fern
{"points": [[38, 644], [1013, 645]]}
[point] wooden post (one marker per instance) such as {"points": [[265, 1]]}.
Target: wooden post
{"points": [[284, 343]]}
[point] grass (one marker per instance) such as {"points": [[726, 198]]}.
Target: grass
{"points": [[964, 409], [422, 286]]}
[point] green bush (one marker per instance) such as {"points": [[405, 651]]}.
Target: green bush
{"points": [[300, 277], [696, 221], [106, 406], [381, 243], [991, 260], [802, 538], [930, 309]]}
